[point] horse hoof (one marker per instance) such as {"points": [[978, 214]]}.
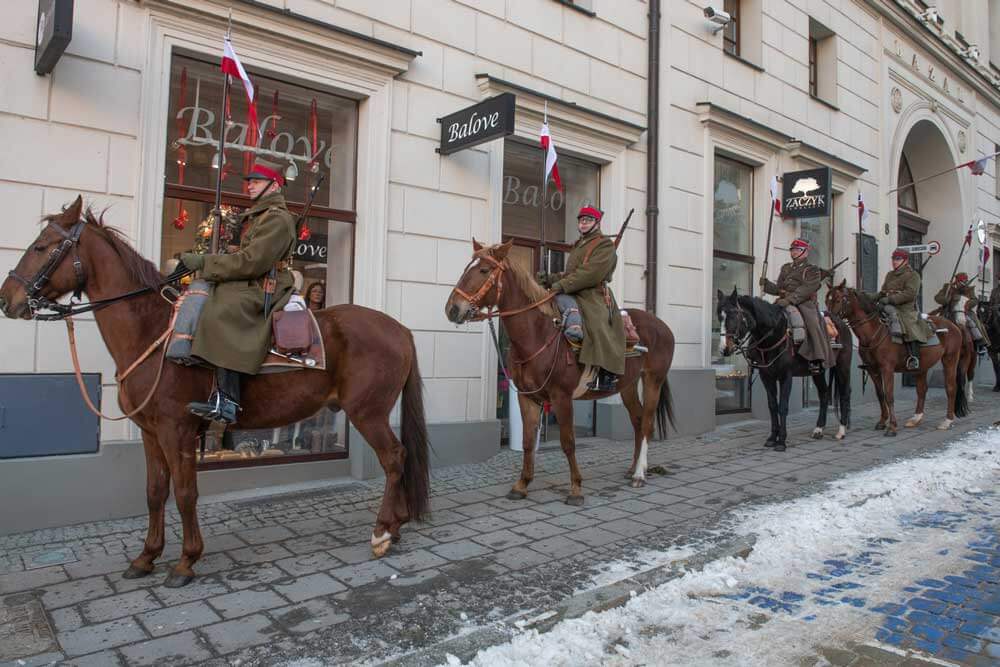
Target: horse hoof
{"points": [[134, 572], [996, 388], [638, 482], [817, 434], [381, 549], [945, 425], [575, 501], [779, 447], [879, 426], [516, 495], [770, 443], [915, 420], [629, 474], [841, 432], [175, 580]]}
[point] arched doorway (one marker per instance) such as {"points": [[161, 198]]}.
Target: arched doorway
{"points": [[931, 210]]}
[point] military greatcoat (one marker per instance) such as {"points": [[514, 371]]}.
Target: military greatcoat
{"points": [[949, 299], [901, 287], [588, 268], [233, 332], [798, 283]]}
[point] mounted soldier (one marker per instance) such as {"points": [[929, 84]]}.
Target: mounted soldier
{"points": [[798, 283], [589, 268], [960, 305], [234, 332], [898, 299]]}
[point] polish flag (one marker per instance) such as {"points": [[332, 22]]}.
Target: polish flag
{"points": [[775, 195], [862, 210], [550, 157], [232, 66]]}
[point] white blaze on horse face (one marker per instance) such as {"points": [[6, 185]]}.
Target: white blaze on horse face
{"points": [[640, 464], [722, 333]]}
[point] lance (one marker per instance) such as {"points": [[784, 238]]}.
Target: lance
{"points": [[767, 247], [965, 244], [214, 246]]}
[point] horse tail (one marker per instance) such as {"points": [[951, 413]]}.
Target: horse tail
{"points": [[413, 432], [664, 410], [961, 400]]}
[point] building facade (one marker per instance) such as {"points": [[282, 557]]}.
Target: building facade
{"points": [[352, 91]]}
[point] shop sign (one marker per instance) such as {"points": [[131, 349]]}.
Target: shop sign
{"points": [[806, 194], [52, 33], [314, 250], [490, 119]]}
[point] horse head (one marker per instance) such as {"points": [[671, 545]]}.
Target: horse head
{"points": [[42, 273], [841, 300], [480, 284], [735, 322]]}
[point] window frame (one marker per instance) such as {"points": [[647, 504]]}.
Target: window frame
{"points": [[813, 67], [731, 33]]}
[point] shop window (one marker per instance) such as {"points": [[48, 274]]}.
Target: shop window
{"points": [[527, 206], [732, 266], [316, 133], [822, 63]]}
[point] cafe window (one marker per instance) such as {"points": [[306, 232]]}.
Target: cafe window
{"points": [[732, 266], [526, 207], [312, 131]]}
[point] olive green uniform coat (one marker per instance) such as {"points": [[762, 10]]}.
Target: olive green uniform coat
{"points": [[901, 286], [584, 279], [950, 299], [233, 332], [798, 284]]}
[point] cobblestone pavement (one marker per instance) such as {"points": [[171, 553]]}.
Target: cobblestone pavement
{"points": [[291, 575]]}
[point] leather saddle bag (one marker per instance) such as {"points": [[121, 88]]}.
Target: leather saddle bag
{"points": [[292, 331]]}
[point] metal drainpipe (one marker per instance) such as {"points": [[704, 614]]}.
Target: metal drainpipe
{"points": [[652, 150]]}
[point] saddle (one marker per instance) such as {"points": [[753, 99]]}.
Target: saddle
{"points": [[296, 340]]}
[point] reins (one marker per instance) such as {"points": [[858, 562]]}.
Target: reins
{"points": [[36, 301]]}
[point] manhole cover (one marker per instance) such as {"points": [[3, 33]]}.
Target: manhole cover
{"points": [[24, 628]]}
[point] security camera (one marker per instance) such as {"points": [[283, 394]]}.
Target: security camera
{"points": [[720, 18]]}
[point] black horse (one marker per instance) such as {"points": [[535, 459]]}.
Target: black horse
{"points": [[989, 315], [759, 330]]}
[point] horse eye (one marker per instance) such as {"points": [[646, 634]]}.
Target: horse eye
{"points": [[39, 248], [484, 270]]}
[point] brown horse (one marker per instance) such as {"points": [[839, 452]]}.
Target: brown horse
{"points": [[544, 369], [371, 360], [883, 358]]}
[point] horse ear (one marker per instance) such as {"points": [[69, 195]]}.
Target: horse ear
{"points": [[734, 292], [843, 283], [476, 245], [72, 213], [500, 252]]}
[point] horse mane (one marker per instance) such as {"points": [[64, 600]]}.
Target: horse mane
{"points": [[138, 268], [527, 284], [766, 314]]}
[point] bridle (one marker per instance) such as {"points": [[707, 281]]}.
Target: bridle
{"points": [[34, 286], [495, 277], [747, 346], [841, 312], [60, 311]]}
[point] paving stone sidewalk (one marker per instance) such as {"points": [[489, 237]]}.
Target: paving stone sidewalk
{"points": [[291, 576]]}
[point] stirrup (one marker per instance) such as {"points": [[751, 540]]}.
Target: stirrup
{"points": [[912, 363], [602, 377], [217, 408]]}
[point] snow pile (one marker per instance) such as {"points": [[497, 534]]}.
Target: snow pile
{"points": [[695, 620]]}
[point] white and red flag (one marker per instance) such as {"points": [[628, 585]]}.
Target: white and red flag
{"points": [[231, 65], [862, 210], [550, 157], [977, 167], [775, 195]]}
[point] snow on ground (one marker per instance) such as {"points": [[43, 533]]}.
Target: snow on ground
{"points": [[819, 565]]}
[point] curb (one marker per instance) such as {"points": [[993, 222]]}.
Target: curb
{"points": [[617, 594]]}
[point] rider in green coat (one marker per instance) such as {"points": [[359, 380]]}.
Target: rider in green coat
{"points": [[898, 297], [589, 268], [234, 333]]}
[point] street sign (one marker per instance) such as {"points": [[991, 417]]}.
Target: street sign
{"points": [[806, 194], [490, 119], [52, 33], [931, 248]]}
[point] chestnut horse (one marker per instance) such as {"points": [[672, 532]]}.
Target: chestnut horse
{"points": [[883, 358], [544, 369], [371, 360]]}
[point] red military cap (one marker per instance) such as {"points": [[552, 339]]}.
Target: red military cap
{"points": [[594, 213], [898, 253], [961, 277], [800, 243], [266, 170]]}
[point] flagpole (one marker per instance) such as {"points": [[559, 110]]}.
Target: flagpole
{"points": [[222, 152], [543, 266], [940, 173], [767, 246], [857, 264]]}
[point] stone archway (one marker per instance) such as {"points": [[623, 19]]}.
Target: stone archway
{"points": [[939, 213]]}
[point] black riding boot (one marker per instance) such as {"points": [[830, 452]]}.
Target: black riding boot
{"points": [[913, 360], [604, 381], [224, 403]]}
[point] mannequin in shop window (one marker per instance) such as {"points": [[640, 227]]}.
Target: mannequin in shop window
{"points": [[234, 332], [316, 296]]}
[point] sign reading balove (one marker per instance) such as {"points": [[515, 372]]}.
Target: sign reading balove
{"points": [[490, 119], [806, 194]]}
